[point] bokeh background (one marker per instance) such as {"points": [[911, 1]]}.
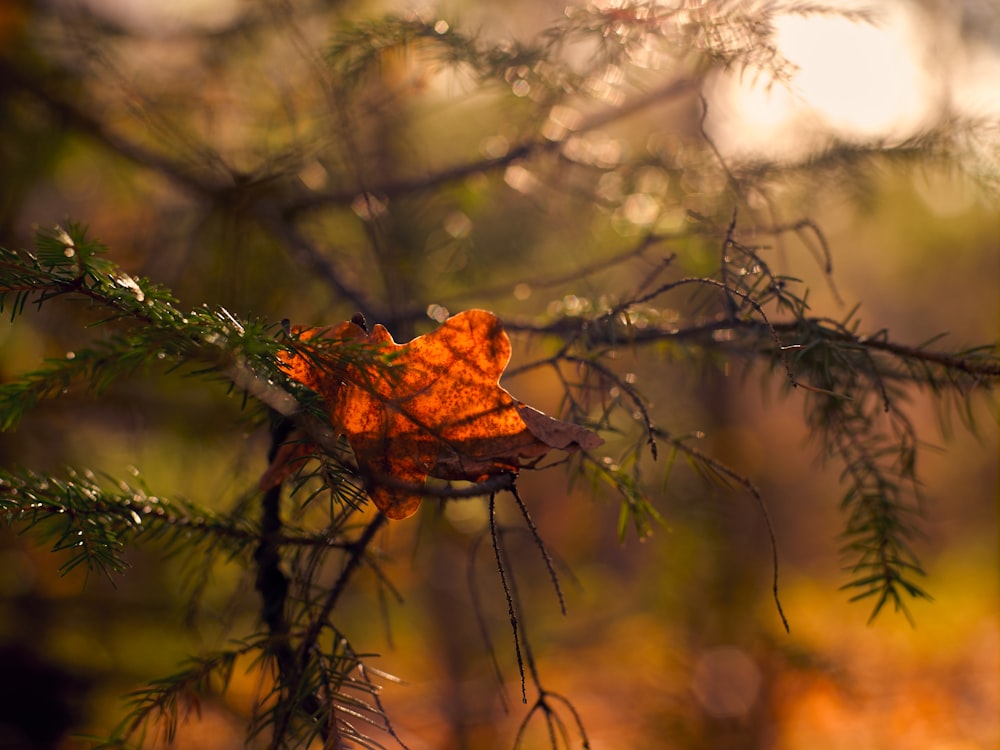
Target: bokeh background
{"points": [[181, 132]]}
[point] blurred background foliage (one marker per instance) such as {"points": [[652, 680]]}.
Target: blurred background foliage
{"points": [[306, 160]]}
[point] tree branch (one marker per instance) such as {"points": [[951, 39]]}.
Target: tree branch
{"points": [[604, 332]]}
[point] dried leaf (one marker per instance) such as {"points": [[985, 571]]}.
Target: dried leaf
{"points": [[430, 407]]}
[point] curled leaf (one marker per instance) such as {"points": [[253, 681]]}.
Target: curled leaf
{"points": [[432, 407]]}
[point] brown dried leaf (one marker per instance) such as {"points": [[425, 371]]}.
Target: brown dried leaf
{"points": [[436, 409]]}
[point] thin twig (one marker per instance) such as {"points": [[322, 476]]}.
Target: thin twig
{"points": [[357, 552], [511, 611], [537, 537], [752, 490]]}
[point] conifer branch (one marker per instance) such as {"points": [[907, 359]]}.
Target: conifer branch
{"points": [[331, 147], [852, 384], [94, 523]]}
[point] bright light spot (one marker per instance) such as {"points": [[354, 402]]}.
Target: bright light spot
{"points": [[595, 148], [849, 80], [127, 282], [441, 27], [610, 187], [640, 209], [606, 91], [726, 682], [495, 147], [167, 18], [313, 175], [438, 313], [367, 207], [457, 224], [574, 305], [520, 179], [863, 80], [568, 117], [63, 235], [561, 121], [974, 84]]}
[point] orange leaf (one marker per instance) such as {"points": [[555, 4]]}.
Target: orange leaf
{"points": [[431, 407]]}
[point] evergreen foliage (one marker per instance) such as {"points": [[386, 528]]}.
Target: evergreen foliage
{"points": [[732, 308]]}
